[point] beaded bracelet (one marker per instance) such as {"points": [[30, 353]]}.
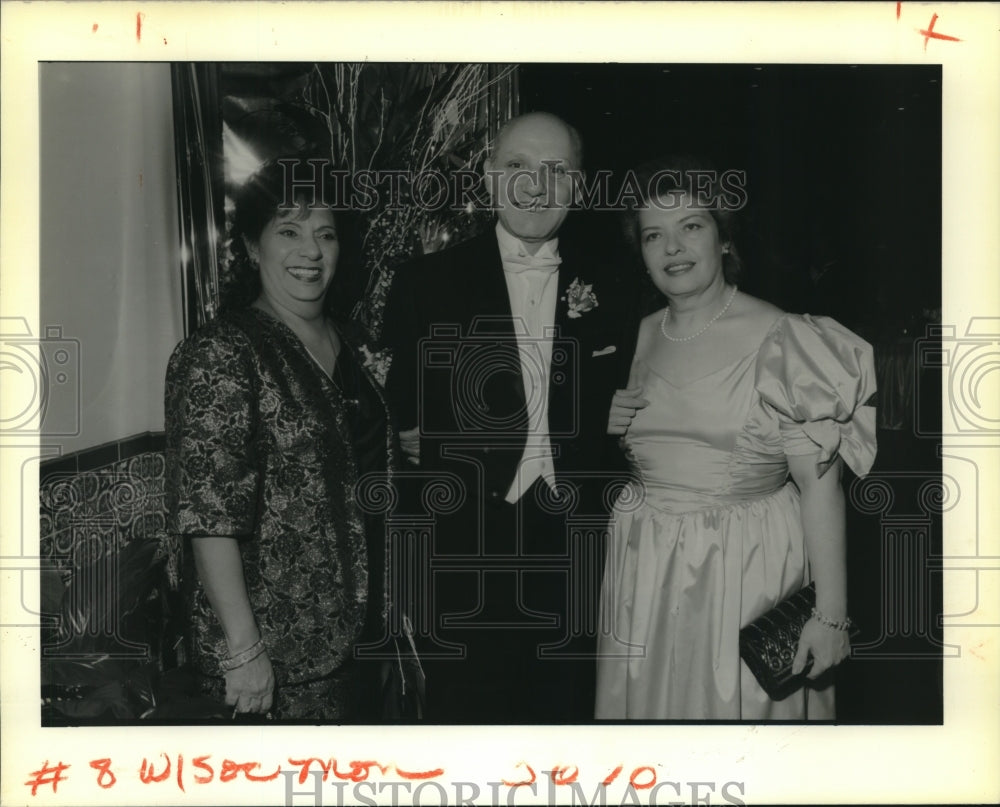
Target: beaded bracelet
{"points": [[248, 655], [836, 624]]}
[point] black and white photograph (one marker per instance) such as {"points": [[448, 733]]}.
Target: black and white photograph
{"points": [[368, 404]]}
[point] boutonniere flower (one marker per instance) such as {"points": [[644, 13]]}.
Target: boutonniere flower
{"points": [[377, 363], [580, 297]]}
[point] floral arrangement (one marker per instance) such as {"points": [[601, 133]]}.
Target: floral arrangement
{"points": [[580, 298], [416, 118], [377, 363]]}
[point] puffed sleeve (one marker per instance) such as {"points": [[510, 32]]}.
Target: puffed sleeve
{"points": [[817, 377], [212, 475]]}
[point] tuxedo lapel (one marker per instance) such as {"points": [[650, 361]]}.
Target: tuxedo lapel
{"points": [[574, 267], [562, 320], [488, 278], [563, 376]]}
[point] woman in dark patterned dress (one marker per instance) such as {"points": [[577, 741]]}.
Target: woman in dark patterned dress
{"points": [[271, 421]]}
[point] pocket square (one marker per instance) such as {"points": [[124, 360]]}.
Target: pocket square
{"points": [[604, 351]]}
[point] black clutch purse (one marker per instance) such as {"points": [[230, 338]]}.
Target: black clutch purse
{"points": [[768, 644]]}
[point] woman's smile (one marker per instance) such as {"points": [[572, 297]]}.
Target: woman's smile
{"points": [[678, 267], [307, 274]]}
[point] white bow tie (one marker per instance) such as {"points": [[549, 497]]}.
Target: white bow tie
{"points": [[522, 263]]}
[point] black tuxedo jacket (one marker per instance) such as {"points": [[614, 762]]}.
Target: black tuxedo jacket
{"points": [[456, 370]]}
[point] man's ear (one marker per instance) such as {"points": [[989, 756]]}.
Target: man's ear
{"points": [[579, 179]]}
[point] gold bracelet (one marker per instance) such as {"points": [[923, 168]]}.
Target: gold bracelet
{"points": [[836, 624], [248, 655]]}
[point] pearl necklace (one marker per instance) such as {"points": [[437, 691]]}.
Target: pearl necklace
{"points": [[709, 324]]}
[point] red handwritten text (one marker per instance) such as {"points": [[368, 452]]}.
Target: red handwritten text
{"points": [[203, 770], [431, 774], [564, 774], [634, 778], [47, 775], [929, 33], [105, 778], [356, 770], [523, 782], [228, 771]]}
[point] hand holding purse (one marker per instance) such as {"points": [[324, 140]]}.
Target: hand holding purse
{"points": [[768, 644]]}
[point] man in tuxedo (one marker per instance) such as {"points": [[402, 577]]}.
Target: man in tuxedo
{"points": [[507, 350]]}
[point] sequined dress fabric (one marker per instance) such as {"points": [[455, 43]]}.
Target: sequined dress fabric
{"points": [[263, 447]]}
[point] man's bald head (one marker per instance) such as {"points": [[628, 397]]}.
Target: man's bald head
{"points": [[536, 122]]}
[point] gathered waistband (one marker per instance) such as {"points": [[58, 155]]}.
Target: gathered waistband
{"points": [[637, 495]]}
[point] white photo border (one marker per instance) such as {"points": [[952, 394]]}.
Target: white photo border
{"points": [[955, 762]]}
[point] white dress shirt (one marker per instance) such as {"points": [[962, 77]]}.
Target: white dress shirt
{"points": [[532, 286]]}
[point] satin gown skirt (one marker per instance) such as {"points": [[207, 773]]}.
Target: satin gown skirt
{"points": [[677, 589]]}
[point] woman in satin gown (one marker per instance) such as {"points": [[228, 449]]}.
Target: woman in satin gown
{"points": [[737, 420]]}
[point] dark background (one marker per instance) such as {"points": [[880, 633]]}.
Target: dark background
{"points": [[843, 164], [843, 170]]}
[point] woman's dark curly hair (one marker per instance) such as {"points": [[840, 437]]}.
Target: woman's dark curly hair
{"points": [[697, 178], [261, 199]]}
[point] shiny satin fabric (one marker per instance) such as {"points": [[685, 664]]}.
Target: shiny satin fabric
{"points": [[712, 536]]}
